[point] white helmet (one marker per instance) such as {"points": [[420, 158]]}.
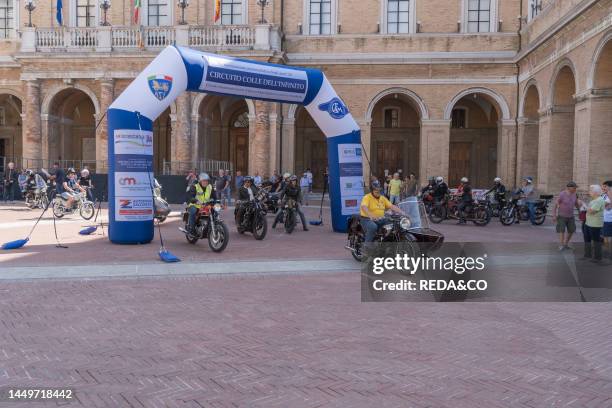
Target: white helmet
{"points": [[204, 176], [464, 179], [497, 180], [286, 175], [439, 179], [84, 172]]}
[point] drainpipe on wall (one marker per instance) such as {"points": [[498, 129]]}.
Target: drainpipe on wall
{"points": [[518, 95]]}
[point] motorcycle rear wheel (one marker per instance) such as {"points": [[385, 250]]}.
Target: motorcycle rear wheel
{"points": [[540, 217], [481, 217], [260, 227], [438, 214]]}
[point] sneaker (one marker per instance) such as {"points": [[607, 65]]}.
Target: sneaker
{"points": [[561, 248], [567, 247]]}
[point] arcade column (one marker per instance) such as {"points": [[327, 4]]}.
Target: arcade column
{"points": [[434, 146], [107, 86], [181, 134], [32, 135], [259, 143], [506, 150]]}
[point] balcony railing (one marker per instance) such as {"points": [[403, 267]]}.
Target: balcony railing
{"points": [[106, 38]]}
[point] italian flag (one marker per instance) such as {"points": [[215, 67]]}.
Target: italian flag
{"points": [[136, 11], [217, 10]]}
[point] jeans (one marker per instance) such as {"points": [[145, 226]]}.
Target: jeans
{"points": [[193, 212], [227, 195], [462, 207], [371, 227], [592, 234], [531, 206], [9, 192], [395, 199]]}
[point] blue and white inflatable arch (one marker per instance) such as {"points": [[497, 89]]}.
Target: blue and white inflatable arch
{"points": [[176, 70]]}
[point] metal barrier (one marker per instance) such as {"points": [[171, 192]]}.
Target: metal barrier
{"points": [[37, 164]]}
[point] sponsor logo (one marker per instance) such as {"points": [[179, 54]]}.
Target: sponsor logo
{"points": [[336, 108], [128, 181], [350, 203], [160, 85], [135, 140], [125, 203]]}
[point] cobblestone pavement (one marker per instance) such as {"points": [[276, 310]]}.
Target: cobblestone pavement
{"points": [[301, 339], [296, 341]]}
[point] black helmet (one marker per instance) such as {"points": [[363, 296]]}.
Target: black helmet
{"points": [[293, 178], [247, 178], [29, 172], [375, 185], [71, 170]]}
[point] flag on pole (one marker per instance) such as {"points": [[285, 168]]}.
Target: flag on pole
{"points": [[217, 10], [136, 11], [58, 13]]}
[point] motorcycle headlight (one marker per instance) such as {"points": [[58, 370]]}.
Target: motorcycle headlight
{"points": [[405, 223], [217, 207]]}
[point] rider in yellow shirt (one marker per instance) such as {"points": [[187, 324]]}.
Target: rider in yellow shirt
{"points": [[372, 211]]}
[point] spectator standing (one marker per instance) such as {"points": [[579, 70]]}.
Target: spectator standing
{"points": [[238, 180], [593, 225], [221, 186], [529, 194], [11, 182], [563, 215], [607, 228], [309, 175], [411, 186], [395, 189], [274, 177], [257, 179], [305, 187]]}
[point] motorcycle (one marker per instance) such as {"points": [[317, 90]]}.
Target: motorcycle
{"points": [[478, 212], [413, 228], [270, 202], [254, 217], [514, 212], [84, 206], [36, 195], [162, 208], [289, 217], [209, 225]]}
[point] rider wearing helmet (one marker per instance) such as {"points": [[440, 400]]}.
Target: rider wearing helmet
{"points": [[465, 199], [246, 194], [499, 191], [440, 189], [200, 194], [528, 193], [71, 187], [372, 210], [291, 191], [85, 182]]}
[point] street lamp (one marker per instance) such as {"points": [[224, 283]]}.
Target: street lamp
{"points": [[30, 5], [262, 4], [105, 5], [183, 5]]}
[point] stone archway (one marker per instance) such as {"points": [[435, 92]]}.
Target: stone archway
{"points": [[557, 142], [475, 122], [528, 132], [69, 119], [11, 126]]}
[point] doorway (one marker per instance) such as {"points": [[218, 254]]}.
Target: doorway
{"points": [[459, 162]]}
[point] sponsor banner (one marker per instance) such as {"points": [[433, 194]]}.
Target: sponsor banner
{"points": [[133, 162], [133, 209], [351, 170], [349, 153], [350, 204], [351, 177], [131, 141], [246, 79], [133, 184], [351, 186]]}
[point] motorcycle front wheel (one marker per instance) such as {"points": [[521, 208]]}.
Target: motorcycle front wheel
{"points": [[260, 227], [438, 214], [217, 239], [481, 216], [58, 209], [357, 247], [507, 216], [540, 216], [87, 210], [290, 222]]}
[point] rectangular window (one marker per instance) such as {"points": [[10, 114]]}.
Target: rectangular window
{"points": [[6, 19], [320, 17], [231, 12], [535, 6], [458, 119], [157, 13], [398, 16], [391, 118], [2, 116], [85, 13], [479, 16]]}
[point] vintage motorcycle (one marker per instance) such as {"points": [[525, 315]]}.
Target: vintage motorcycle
{"points": [[412, 228], [35, 194], [254, 217], [270, 203], [289, 215], [478, 212], [162, 208], [515, 211], [81, 204], [209, 225]]}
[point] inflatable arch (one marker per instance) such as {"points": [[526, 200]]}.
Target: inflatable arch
{"points": [[176, 70]]}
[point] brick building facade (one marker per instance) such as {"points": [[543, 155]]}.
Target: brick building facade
{"points": [[480, 88]]}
